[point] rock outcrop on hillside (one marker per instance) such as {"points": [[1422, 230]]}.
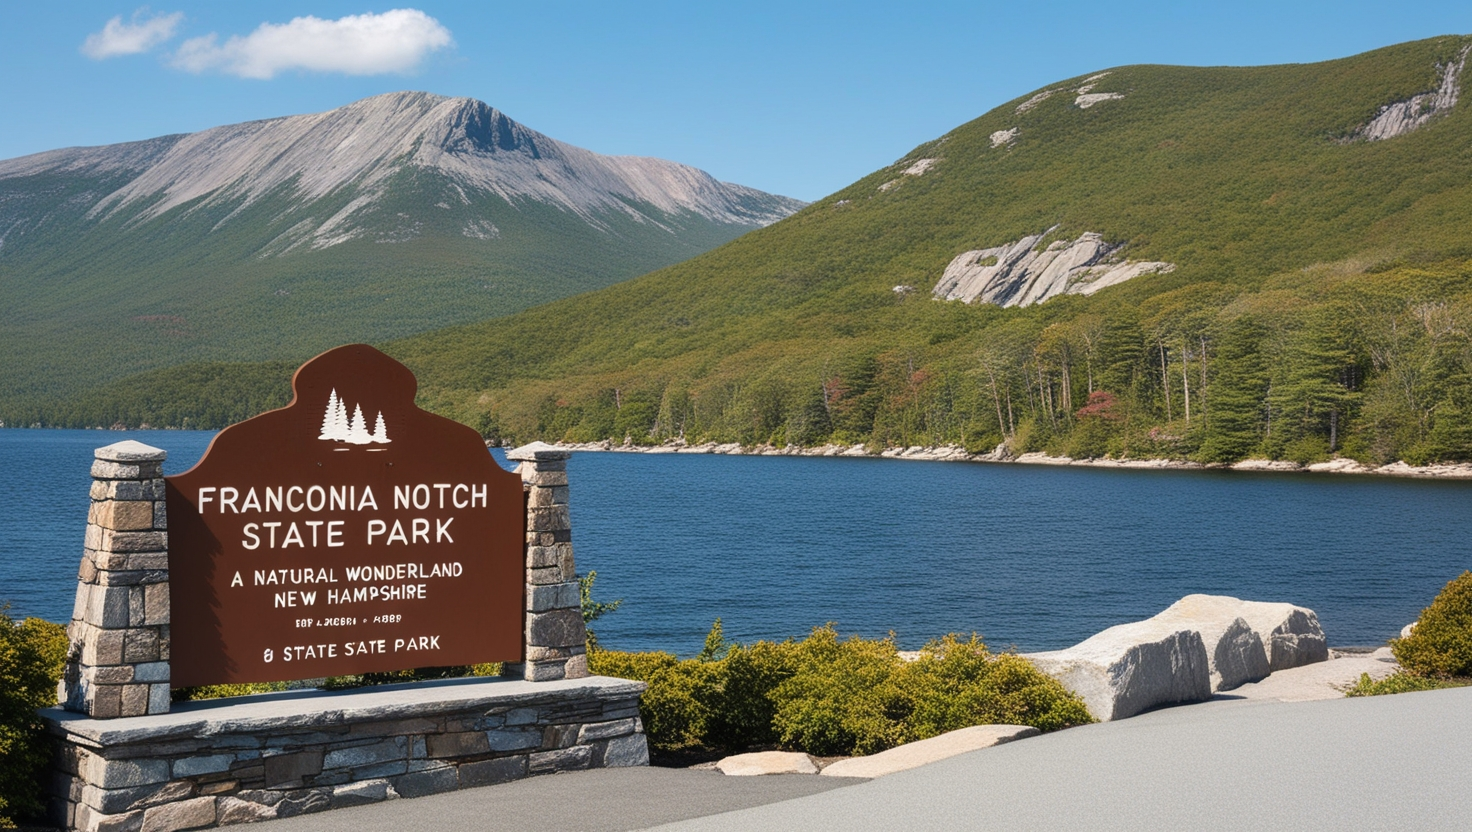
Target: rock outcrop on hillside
{"points": [[1018, 274], [1404, 116]]}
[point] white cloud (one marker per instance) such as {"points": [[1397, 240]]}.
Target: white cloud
{"points": [[365, 44], [138, 35]]}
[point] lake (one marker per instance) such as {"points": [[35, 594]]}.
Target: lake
{"points": [[1029, 556]]}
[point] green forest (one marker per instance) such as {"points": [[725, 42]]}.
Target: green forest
{"points": [[1320, 306], [1375, 366]]}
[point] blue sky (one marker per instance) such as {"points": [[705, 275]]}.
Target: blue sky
{"points": [[799, 98]]}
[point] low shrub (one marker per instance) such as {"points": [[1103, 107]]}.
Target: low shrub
{"points": [[31, 657], [832, 696], [1401, 682], [958, 683], [1441, 643], [841, 698], [743, 711], [676, 707]]}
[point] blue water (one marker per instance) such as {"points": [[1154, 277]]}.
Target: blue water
{"points": [[1028, 556]]}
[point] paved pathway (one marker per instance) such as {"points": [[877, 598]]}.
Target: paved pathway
{"points": [[601, 800], [1387, 762], [1390, 762]]}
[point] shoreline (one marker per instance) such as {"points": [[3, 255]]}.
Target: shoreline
{"points": [[955, 453]]}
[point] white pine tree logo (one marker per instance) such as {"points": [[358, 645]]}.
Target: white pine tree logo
{"points": [[337, 427]]}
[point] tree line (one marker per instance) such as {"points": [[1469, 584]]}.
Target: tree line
{"points": [[1377, 367]]}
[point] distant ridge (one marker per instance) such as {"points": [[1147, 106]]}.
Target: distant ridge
{"points": [[223, 233], [363, 145]]}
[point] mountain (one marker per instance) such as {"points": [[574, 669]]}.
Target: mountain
{"points": [[1205, 262], [392, 215]]}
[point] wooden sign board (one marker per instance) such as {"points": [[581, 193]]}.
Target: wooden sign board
{"points": [[346, 533]]}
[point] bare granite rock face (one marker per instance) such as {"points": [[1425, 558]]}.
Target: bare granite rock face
{"points": [[1291, 635], [1236, 652], [1018, 274], [1131, 668], [915, 168], [1404, 116], [1087, 98]]}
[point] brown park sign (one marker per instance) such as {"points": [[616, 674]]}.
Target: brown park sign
{"points": [[346, 533]]}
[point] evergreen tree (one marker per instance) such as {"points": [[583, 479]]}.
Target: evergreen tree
{"points": [[1239, 415], [1317, 382]]}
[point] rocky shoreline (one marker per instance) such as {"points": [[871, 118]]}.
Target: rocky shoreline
{"points": [[955, 453]]}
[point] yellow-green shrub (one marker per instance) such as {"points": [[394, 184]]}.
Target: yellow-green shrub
{"points": [[31, 657], [742, 713], [676, 707], [830, 696], [1441, 643], [1400, 682], [841, 699], [958, 683]]}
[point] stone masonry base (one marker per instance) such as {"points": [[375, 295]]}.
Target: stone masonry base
{"points": [[276, 755]]}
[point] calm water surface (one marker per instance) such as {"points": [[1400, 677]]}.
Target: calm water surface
{"points": [[1028, 556]]}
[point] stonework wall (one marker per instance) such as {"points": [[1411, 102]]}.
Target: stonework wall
{"points": [[234, 761], [556, 640], [118, 660]]}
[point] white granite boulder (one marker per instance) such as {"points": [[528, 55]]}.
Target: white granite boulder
{"points": [[758, 763], [1236, 651], [1130, 668], [1290, 634]]}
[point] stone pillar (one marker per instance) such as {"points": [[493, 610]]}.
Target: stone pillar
{"points": [[118, 661], [556, 641]]}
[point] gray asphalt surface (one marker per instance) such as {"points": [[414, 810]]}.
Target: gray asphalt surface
{"points": [[602, 800], [1390, 762]]}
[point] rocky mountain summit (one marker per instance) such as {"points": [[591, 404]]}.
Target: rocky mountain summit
{"points": [[389, 216], [361, 151]]}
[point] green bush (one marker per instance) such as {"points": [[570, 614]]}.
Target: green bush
{"points": [[840, 700], [958, 683], [743, 713], [676, 707], [1400, 682], [31, 657], [832, 696], [1441, 644]]}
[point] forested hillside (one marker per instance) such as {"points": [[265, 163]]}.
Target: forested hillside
{"points": [[1317, 300]]}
